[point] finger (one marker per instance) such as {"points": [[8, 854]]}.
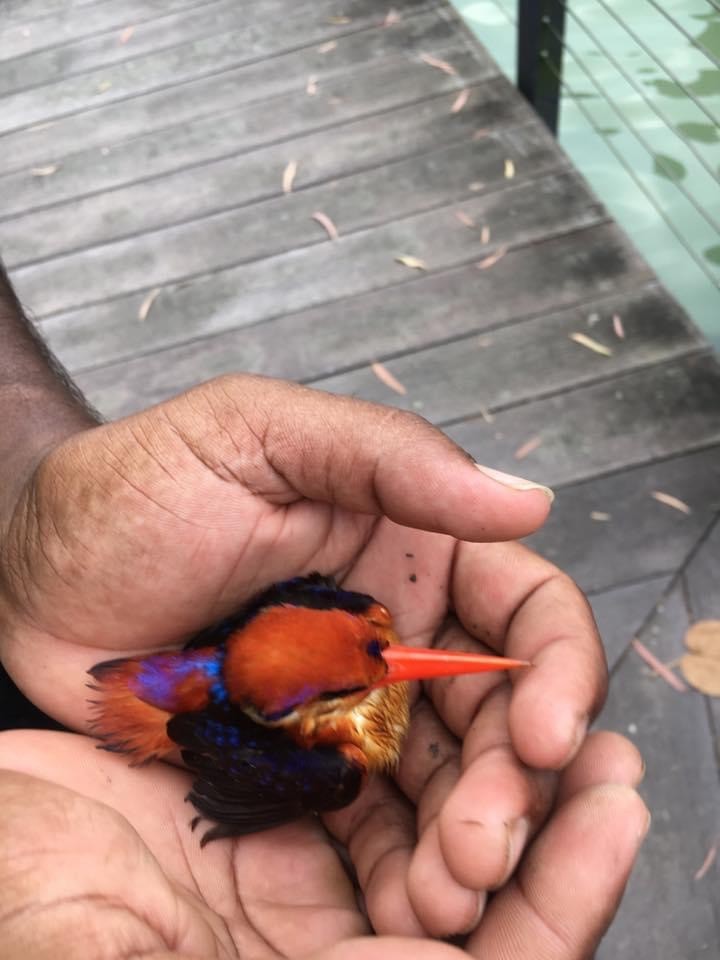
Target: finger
{"points": [[568, 887], [389, 948], [518, 603], [361, 456], [497, 804], [378, 830], [606, 757]]}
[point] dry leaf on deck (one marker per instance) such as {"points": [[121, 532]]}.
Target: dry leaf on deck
{"points": [[289, 176], [486, 415], [125, 35], [460, 101], [492, 259], [670, 501], [591, 344], [384, 375], [527, 448], [391, 18], [709, 860], [45, 171], [703, 673], [618, 326], [438, 64], [485, 234], [703, 637], [413, 262], [327, 47], [509, 169], [104, 85], [592, 319], [658, 667], [326, 223], [147, 303], [311, 87], [465, 219], [600, 516]]}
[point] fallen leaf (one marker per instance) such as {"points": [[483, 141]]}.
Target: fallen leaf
{"points": [[327, 47], [339, 21], [391, 18], [384, 376], [438, 64], [709, 860], [104, 85], [485, 234], [464, 219], [591, 344], [324, 220], [125, 35], [703, 637], [658, 667], [592, 319], [45, 171], [600, 516], [460, 101], [413, 262], [289, 176], [618, 326], [486, 415], [670, 501], [525, 449], [492, 259], [311, 86], [703, 673], [509, 169], [147, 303]]}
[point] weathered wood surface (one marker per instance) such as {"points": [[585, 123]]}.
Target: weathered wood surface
{"points": [[143, 146]]}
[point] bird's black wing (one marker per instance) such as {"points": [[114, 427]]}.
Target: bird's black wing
{"points": [[315, 591], [251, 778]]}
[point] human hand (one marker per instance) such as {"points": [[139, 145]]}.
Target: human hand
{"points": [[132, 535], [78, 881]]}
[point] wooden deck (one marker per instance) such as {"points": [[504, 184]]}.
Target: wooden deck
{"points": [[143, 146]]}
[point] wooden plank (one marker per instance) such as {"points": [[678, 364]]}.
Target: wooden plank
{"points": [[621, 611], [241, 179], [74, 57], [484, 373], [318, 274], [230, 64], [665, 912], [213, 136], [578, 267], [644, 538], [58, 28], [24, 12], [280, 224], [651, 413]]}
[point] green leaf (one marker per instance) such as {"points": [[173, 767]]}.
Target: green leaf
{"points": [[703, 132], [712, 254], [670, 169]]}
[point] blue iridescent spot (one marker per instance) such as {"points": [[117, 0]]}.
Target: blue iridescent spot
{"points": [[219, 692], [374, 649]]}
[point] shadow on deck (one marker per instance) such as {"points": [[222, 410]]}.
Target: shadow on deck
{"points": [[169, 160]]}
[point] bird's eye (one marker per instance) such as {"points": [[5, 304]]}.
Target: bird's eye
{"points": [[374, 649]]}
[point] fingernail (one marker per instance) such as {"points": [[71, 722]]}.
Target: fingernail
{"points": [[644, 832], [515, 483], [579, 735], [517, 834]]}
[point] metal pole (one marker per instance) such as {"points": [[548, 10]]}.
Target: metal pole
{"points": [[541, 25]]}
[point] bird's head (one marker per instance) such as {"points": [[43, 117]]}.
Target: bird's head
{"points": [[294, 658]]}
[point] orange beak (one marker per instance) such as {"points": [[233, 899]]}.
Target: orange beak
{"points": [[417, 663]]}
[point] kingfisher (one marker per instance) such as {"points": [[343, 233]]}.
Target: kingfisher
{"points": [[282, 709]]}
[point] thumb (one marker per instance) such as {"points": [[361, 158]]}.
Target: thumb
{"points": [[361, 456]]}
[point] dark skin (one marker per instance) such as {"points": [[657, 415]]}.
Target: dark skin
{"points": [[122, 538]]}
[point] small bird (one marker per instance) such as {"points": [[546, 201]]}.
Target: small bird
{"points": [[280, 710]]}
